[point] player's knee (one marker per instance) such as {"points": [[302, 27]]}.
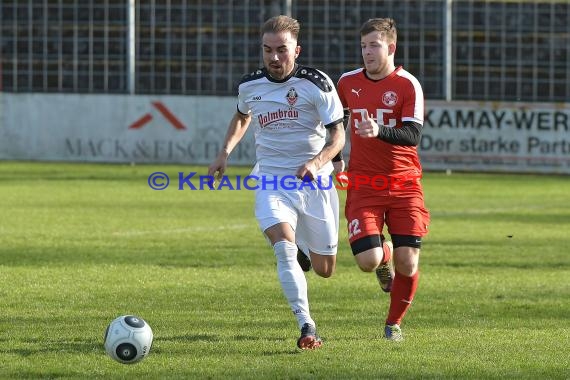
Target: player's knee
{"points": [[406, 253], [368, 260], [406, 260], [367, 266], [324, 272], [323, 265], [285, 251], [407, 269]]}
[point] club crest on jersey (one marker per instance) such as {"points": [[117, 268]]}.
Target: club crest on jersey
{"points": [[390, 98], [292, 96]]}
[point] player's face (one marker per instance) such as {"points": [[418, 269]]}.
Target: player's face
{"points": [[377, 54], [279, 53]]}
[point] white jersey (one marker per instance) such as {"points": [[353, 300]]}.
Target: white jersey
{"points": [[291, 116]]}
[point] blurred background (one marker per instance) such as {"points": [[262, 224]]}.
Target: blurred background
{"points": [[459, 50]]}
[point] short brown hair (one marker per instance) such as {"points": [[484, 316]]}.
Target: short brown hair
{"points": [[386, 26], [278, 24]]}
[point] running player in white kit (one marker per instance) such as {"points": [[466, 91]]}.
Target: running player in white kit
{"points": [[294, 107]]}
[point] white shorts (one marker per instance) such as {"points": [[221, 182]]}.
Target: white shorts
{"points": [[311, 212]]}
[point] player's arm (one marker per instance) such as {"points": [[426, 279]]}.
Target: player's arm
{"points": [[409, 134], [236, 131], [333, 146], [338, 157]]}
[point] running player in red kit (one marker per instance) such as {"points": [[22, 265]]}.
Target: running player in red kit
{"points": [[384, 105]]}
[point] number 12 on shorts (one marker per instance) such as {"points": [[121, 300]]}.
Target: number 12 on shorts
{"points": [[353, 228]]}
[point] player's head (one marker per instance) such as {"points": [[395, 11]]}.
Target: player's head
{"points": [[378, 38], [279, 37]]}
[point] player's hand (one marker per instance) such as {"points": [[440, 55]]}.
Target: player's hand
{"points": [[338, 166], [308, 171], [218, 167], [367, 127]]}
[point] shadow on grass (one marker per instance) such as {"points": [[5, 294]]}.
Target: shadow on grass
{"points": [[42, 346], [515, 254], [282, 352], [266, 341], [189, 338], [216, 338], [511, 264], [41, 374], [222, 255]]}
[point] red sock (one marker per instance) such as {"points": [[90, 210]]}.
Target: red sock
{"points": [[401, 296], [387, 253]]}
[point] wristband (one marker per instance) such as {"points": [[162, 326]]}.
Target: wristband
{"points": [[338, 157]]}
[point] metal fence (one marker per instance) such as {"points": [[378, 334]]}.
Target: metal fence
{"points": [[458, 49]]}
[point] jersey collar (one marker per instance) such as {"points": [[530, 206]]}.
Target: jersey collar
{"points": [[398, 68], [271, 79]]}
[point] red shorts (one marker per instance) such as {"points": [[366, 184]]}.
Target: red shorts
{"points": [[402, 216]]}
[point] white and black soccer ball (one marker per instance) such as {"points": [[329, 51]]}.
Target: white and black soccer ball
{"points": [[128, 339]]}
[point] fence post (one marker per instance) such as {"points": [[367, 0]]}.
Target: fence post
{"points": [[448, 50], [131, 48]]}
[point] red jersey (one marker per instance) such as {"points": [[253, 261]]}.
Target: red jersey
{"points": [[390, 101]]}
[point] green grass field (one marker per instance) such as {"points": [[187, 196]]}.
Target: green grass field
{"points": [[83, 243]]}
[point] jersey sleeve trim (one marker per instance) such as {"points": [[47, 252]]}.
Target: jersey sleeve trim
{"points": [[332, 124], [413, 120], [242, 113]]}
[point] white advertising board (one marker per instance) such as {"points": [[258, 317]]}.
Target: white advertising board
{"points": [[469, 136], [111, 128], [502, 137]]}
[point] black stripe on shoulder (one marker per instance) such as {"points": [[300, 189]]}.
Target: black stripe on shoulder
{"points": [[315, 77], [259, 73]]}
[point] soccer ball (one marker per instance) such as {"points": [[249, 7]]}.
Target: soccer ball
{"points": [[128, 339]]}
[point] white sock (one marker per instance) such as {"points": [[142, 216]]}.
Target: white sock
{"points": [[293, 281]]}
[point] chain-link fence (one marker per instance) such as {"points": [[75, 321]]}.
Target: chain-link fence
{"points": [[458, 49]]}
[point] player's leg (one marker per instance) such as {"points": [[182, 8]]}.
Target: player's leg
{"points": [[405, 284], [309, 338], [277, 218], [321, 240], [371, 251], [407, 221], [317, 229], [385, 271], [291, 277]]}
